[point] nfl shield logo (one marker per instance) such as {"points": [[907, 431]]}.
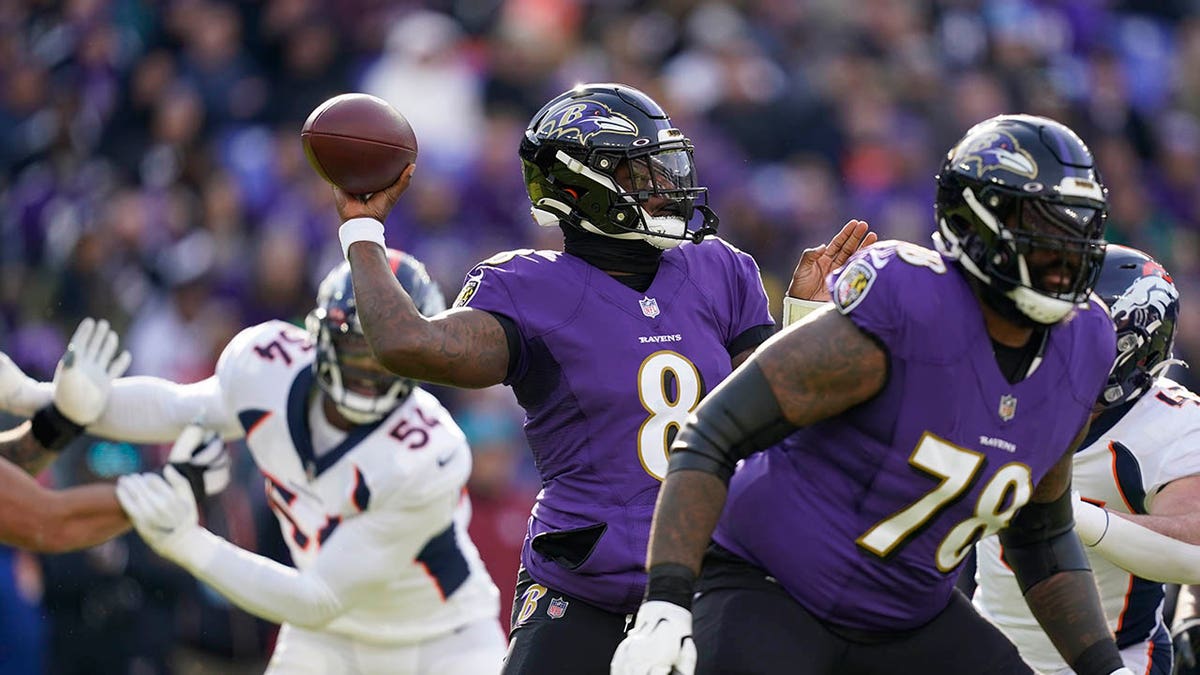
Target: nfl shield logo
{"points": [[1008, 407], [649, 306], [557, 608]]}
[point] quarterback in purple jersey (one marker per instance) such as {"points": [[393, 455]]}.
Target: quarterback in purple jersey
{"points": [[675, 308], [937, 402]]}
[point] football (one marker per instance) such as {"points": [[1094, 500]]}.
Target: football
{"points": [[358, 142]]}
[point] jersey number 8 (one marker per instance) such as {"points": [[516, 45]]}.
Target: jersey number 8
{"points": [[658, 375]]}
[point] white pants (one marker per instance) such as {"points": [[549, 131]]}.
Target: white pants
{"points": [[475, 649]]}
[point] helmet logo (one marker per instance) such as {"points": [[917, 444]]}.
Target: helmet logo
{"points": [[584, 119], [649, 306], [1152, 292], [996, 150]]}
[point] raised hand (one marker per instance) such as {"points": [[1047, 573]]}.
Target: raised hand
{"points": [[84, 376], [376, 205], [808, 280]]}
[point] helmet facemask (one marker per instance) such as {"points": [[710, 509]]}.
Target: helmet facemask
{"points": [[362, 391]]}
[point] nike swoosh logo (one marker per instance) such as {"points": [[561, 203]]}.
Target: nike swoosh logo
{"points": [[443, 461]]}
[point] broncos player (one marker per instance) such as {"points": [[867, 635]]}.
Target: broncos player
{"points": [[1141, 460], [936, 402], [365, 473], [608, 345]]}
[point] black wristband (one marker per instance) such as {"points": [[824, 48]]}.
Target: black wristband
{"points": [[671, 582], [195, 478], [1102, 658], [53, 430]]}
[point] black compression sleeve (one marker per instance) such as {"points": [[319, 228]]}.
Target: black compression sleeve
{"points": [[1040, 542], [740, 417]]}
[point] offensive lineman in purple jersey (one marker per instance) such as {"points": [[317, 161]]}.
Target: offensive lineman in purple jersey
{"points": [[939, 403], [672, 310]]}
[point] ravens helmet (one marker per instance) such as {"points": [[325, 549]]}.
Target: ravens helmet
{"points": [[1144, 305], [346, 370], [1021, 207], [605, 158]]}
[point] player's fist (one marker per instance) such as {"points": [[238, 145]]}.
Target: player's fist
{"points": [[200, 456], [84, 376], [660, 642]]}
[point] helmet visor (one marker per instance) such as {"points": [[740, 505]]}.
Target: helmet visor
{"points": [[1061, 246]]}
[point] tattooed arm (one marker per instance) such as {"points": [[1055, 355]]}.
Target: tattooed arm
{"points": [[48, 521], [807, 373], [459, 347], [22, 449]]}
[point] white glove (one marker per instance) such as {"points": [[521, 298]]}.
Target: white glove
{"points": [[660, 642], [83, 378], [162, 510], [19, 393], [1121, 671], [200, 456]]}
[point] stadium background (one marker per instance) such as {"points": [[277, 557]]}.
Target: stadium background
{"points": [[151, 173]]}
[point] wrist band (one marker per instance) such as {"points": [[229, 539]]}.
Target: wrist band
{"points": [[360, 229], [1102, 658], [795, 309], [671, 582], [53, 430]]}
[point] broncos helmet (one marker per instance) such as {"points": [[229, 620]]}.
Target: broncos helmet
{"points": [[361, 389], [1021, 207], [597, 155], [1144, 305]]}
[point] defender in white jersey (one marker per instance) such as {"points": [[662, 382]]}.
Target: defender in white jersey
{"points": [[366, 475], [1141, 460]]}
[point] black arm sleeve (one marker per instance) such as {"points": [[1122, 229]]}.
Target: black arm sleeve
{"points": [[739, 417], [1040, 542]]}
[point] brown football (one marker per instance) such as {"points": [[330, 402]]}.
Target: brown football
{"points": [[358, 142]]}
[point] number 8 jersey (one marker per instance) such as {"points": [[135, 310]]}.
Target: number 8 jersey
{"points": [[606, 376], [864, 518]]}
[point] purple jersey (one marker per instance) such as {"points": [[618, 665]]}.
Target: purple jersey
{"points": [[606, 376], [865, 517]]}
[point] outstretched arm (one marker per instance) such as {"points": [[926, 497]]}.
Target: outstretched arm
{"points": [[361, 555], [41, 520], [460, 347], [1163, 545]]}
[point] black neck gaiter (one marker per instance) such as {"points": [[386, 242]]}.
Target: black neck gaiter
{"points": [[628, 256]]}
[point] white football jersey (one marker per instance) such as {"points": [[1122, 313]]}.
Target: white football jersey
{"points": [[1122, 469], [416, 455]]}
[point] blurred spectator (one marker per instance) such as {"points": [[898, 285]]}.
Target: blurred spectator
{"points": [[151, 170]]}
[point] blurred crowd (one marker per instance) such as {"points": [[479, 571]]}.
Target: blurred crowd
{"points": [[151, 173]]}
